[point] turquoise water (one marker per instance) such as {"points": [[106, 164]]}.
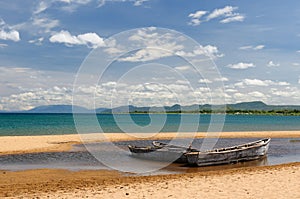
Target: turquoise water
{"points": [[51, 124]]}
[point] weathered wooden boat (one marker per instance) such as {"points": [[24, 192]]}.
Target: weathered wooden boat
{"points": [[161, 152], [245, 152]]}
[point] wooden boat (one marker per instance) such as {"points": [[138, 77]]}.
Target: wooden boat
{"points": [[246, 152], [161, 152]]}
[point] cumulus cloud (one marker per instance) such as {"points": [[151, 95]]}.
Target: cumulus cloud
{"points": [[208, 50], [44, 90], [91, 40], [8, 33], [272, 64], [226, 11], [241, 65], [153, 44], [205, 81], [258, 82], [156, 45]]}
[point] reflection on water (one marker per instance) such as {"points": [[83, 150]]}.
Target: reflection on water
{"points": [[280, 151]]}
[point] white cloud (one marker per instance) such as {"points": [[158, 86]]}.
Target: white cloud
{"points": [[257, 94], [154, 45], [44, 90], [298, 51], [37, 41], [146, 54], [237, 17], [205, 81], [89, 39], [272, 64], [38, 25], [226, 11], [182, 68], [258, 47], [7, 32], [258, 82], [246, 47], [288, 93], [3, 45], [135, 2], [139, 2], [195, 17], [208, 50], [241, 65], [221, 79], [46, 24], [296, 64], [42, 6], [10, 35]]}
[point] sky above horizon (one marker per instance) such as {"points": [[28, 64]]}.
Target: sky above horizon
{"points": [[253, 46]]}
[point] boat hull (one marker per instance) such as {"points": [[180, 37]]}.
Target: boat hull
{"points": [[238, 154], [162, 156]]}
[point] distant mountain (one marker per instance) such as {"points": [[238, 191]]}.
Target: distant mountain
{"points": [[260, 106], [256, 105], [252, 106], [57, 109]]}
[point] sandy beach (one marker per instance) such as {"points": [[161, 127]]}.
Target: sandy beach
{"points": [[55, 143], [279, 181]]}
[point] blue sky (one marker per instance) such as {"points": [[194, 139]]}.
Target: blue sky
{"points": [[254, 44]]}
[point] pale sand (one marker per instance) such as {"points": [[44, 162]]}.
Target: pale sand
{"points": [[281, 181], [29, 144]]}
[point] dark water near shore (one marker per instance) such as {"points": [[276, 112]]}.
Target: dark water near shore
{"points": [[51, 124], [280, 151]]}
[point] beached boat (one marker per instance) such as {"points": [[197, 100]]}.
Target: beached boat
{"points": [[161, 152], [245, 152]]}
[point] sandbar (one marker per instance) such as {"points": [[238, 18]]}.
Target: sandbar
{"points": [[58, 143]]}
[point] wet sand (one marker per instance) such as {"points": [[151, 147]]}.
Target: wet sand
{"points": [[56, 143], [281, 181]]}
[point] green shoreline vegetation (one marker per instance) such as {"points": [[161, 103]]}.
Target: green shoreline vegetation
{"points": [[230, 112]]}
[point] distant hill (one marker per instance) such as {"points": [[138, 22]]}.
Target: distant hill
{"points": [[57, 109], [256, 105], [243, 106], [260, 106]]}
